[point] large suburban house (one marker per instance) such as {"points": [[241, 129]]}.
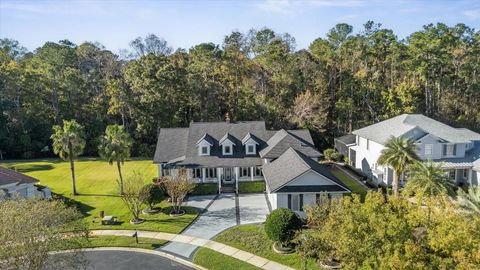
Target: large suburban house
{"points": [[229, 153], [13, 184], [458, 149]]}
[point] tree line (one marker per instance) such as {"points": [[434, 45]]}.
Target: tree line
{"points": [[341, 82]]}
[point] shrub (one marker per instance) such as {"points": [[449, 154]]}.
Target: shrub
{"points": [[281, 225], [204, 189], [332, 154], [154, 195], [251, 187]]}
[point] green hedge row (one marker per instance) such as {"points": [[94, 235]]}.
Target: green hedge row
{"points": [[251, 187], [205, 189]]}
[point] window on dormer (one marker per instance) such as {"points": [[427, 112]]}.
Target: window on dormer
{"points": [[227, 150], [250, 149], [204, 150]]}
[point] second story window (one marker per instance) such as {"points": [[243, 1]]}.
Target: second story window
{"points": [[428, 150], [204, 150], [250, 149], [449, 150], [227, 149]]}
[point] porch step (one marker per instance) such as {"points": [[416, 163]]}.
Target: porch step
{"points": [[228, 189]]}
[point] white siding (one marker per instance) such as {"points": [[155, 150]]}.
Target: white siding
{"points": [[311, 178], [366, 159]]}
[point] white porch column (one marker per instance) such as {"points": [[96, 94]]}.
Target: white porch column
{"points": [[204, 172], [236, 179], [470, 177], [219, 179], [252, 170], [160, 170], [456, 176]]}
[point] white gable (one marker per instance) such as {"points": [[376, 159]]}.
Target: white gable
{"points": [[311, 178]]}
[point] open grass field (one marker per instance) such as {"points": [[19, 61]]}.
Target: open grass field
{"points": [[97, 184]]}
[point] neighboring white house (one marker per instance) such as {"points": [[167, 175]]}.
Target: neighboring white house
{"points": [[13, 184], [231, 152], [458, 149]]}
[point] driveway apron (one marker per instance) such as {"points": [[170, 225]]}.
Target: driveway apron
{"points": [[220, 215]]}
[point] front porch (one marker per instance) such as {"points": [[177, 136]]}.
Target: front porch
{"points": [[228, 178]]}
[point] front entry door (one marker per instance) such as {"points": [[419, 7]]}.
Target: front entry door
{"points": [[228, 175]]}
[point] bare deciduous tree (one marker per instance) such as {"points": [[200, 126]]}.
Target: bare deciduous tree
{"points": [[134, 195], [177, 188]]}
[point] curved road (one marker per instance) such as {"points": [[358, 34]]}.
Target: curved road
{"points": [[123, 260]]}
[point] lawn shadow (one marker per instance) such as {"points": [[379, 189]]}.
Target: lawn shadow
{"points": [[97, 195], [83, 208], [25, 168]]}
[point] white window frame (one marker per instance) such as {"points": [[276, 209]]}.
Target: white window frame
{"points": [[295, 206], [450, 147], [253, 152], [428, 153], [225, 147], [201, 152]]}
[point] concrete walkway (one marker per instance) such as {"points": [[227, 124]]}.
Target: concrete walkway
{"points": [[200, 242]]}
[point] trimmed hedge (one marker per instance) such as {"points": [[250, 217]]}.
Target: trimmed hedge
{"points": [[251, 187], [205, 189]]}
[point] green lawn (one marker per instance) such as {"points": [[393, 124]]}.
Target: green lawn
{"points": [[217, 261], [97, 184], [352, 184], [252, 238]]}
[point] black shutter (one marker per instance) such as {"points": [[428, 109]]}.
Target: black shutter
{"points": [[301, 202], [454, 149], [444, 150], [317, 198], [289, 201]]}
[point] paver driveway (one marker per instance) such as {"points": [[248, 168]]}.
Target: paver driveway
{"points": [[222, 213]]}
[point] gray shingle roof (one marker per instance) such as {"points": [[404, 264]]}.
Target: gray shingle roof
{"points": [[171, 144], [400, 125], [300, 140], [178, 146], [8, 177], [290, 165]]}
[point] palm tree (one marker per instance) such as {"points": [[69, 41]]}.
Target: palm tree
{"points": [[115, 147], [68, 143], [429, 179], [399, 152], [471, 200]]}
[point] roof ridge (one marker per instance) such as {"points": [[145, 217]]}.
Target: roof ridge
{"points": [[299, 155]]}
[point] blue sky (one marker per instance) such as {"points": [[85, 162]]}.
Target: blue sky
{"points": [[186, 23]]}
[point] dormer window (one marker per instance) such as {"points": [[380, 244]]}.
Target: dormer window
{"points": [[227, 143], [227, 150], [250, 149], [250, 143], [204, 145]]}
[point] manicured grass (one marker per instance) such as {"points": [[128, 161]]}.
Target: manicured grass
{"points": [[252, 238], [97, 184], [352, 184], [123, 241], [251, 187], [205, 189], [217, 261]]}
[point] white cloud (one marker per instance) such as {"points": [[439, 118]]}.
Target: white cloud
{"points": [[473, 14]]}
